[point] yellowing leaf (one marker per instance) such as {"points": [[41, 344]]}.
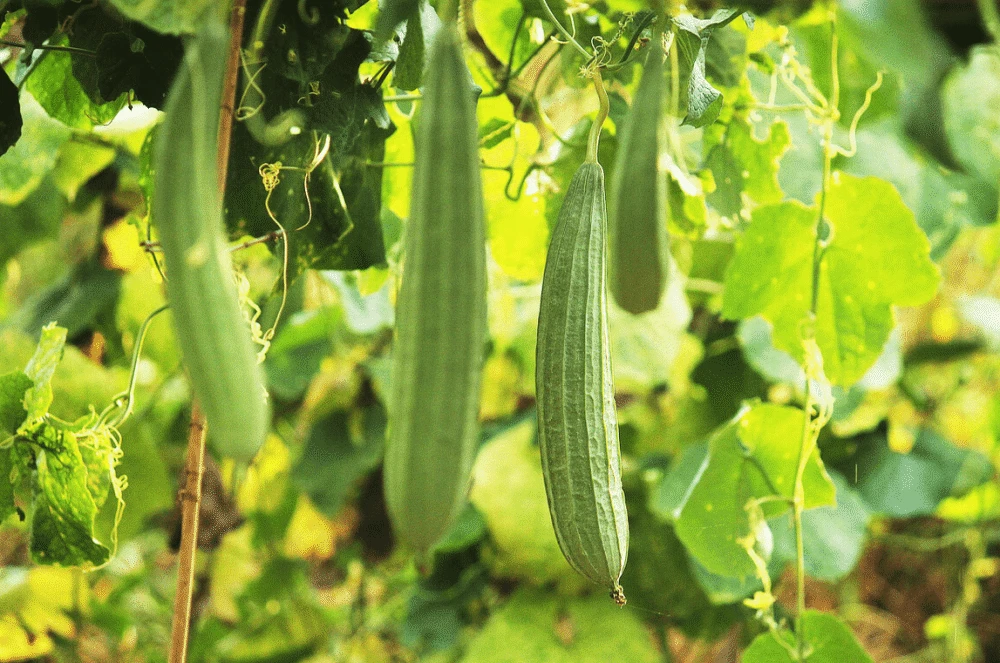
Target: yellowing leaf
{"points": [[121, 240], [33, 604], [263, 487], [311, 535], [234, 564]]}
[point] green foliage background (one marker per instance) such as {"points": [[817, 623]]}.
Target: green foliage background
{"points": [[297, 561]]}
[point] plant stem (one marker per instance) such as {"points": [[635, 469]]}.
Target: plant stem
{"points": [[236, 17], [565, 33], [50, 47], [190, 496], [808, 440], [194, 465], [286, 125], [403, 97], [602, 114]]}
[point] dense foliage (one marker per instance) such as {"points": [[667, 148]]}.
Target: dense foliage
{"points": [[805, 364]]}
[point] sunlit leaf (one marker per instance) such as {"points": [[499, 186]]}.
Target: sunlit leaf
{"points": [[865, 269]]}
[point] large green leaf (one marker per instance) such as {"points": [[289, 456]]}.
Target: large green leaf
{"points": [[57, 90], [166, 16], [535, 627], [340, 449], [63, 509], [912, 484], [421, 27], [12, 412], [23, 166], [827, 638], [40, 370], [704, 102], [971, 98], [833, 536], [507, 489], [866, 268], [713, 507]]}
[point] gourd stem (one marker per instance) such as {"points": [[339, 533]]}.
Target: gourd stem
{"points": [[602, 114]]}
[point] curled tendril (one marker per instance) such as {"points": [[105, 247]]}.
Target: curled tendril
{"points": [[309, 15], [251, 70], [270, 177]]}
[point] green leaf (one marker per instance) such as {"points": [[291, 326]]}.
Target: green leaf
{"points": [[535, 627], [77, 163], [39, 370], [674, 490], [507, 489], [646, 346], [760, 158], [772, 434], [171, 17], [704, 102], [7, 507], [658, 576], [713, 514], [906, 485], [943, 201], [827, 638], [57, 90], [494, 132], [10, 114], [341, 448], [724, 589], [345, 193], [421, 27], [435, 613], [865, 270], [63, 509], [409, 69], [833, 537], [77, 301], [12, 412], [773, 364], [468, 529], [97, 449], [298, 350], [971, 98], [23, 166], [394, 12]]}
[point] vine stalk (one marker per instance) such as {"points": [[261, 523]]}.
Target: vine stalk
{"points": [[808, 439], [194, 465]]}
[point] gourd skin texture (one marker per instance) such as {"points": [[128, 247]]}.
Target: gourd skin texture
{"points": [[577, 422], [441, 311], [637, 233], [213, 334]]}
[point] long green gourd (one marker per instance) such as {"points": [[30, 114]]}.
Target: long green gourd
{"points": [[441, 311], [577, 422], [637, 236], [213, 335]]}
